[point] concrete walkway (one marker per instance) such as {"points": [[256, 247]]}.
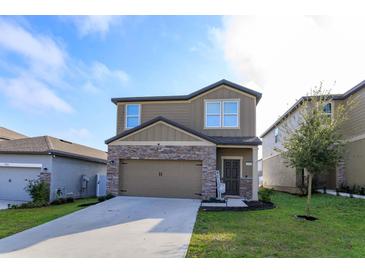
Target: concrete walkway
{"points": [[120, 227]]}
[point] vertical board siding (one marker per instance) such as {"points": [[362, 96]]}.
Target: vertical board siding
{"points": [[160, 132]]}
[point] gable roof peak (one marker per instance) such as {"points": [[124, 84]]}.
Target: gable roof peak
{"points": [[238, 87]]}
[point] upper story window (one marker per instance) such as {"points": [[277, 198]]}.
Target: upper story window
{"points": [[132, 115], [276, 134], [222, 114], [328, 109]]}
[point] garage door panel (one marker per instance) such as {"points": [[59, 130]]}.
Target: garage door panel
{"points": [[13, 180], [160, 178]]}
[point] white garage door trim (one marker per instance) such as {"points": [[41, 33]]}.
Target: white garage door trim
{"points": [[20, 165]]}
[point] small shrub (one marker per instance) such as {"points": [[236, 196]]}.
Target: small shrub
{"points": [[39, 191], [28, 205], [106, 197], [265, 194], [109, 196], [101, 198], [362, 191], [337, 192], [61, 201], [351, 193], [348, 190], [70, 199]]}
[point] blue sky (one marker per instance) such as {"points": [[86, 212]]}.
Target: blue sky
{"points": [[82, 65], [58, 73]]}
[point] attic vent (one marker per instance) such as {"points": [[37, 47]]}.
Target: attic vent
{"points": [[68, 142]]}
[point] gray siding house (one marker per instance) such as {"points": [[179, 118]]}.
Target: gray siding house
{"points": [[173, 146], [61, 163], [349, 172]]}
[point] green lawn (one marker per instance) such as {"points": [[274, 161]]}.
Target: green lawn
{"points": [[339, 232], [16, 220]]}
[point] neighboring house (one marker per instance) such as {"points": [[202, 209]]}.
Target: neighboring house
{"points": [[61, 163], [7, 134], [350, 172], [259, 171], [171, 146]]}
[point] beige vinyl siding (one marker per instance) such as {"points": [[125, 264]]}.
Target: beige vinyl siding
{"points": [[268, 141], [120, 118], [355, 125], [247, 114], [191, 113], [354, 163], [245, 153], [160, 132], [278, 176]]}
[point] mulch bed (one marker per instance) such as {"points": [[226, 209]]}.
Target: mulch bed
{"points": [[88, 204], [251, 205]]}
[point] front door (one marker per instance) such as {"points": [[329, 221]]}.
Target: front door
{"points": [[231, 176]]}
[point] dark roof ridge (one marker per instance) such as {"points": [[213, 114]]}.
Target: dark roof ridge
{"points": [[252, 92]]}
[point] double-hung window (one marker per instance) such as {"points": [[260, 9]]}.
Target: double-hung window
{"points": [[230, 113], [276, 134], [328, 109], [213, 114], [132, 115], [222, 114]]}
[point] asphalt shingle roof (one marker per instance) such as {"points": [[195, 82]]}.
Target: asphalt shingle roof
{"points": [[258, 95], [7, 134], [51, 145]]}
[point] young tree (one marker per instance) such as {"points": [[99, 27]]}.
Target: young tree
{"points": [[316, 143]]}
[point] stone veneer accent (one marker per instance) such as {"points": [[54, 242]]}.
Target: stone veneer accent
{"points": [[340, 174], [246, 188], [207, 154]]}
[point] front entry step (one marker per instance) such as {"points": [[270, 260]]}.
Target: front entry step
{"points": [[237, 203]]}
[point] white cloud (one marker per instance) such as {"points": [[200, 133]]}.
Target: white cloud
{"points": [[38, 48], [29, 94], [101, 72], [44, 70], [80, 133], [286, 56], [87, 25]]}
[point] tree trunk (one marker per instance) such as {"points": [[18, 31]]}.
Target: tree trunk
{"points": [[309, 195]]}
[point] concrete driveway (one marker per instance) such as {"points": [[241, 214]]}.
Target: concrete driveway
{"points": [[120, 227]]}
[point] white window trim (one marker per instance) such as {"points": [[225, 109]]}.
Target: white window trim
{"points": [[206, 114], [133, 116], [221, 103], [231, 114], [276, 135], [331, 113]]}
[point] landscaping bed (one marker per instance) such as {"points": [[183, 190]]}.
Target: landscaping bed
{"points": [[251, 205], [338, 232]]}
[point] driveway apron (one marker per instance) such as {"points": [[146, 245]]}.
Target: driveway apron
{"points": [[120, 227]]}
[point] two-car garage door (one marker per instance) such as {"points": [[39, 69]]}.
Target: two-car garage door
{"points": [[160, 178]]}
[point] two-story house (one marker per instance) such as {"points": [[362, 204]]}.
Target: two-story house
{"points": [[173, 146], [350, 171]]}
